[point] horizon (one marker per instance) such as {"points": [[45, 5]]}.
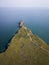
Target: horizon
{"points": [[24, 3]]}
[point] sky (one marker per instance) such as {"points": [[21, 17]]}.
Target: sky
{"points": [[24, 3]]}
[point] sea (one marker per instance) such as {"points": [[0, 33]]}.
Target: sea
{"points": [[36, 19]]}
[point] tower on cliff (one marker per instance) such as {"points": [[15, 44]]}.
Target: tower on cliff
{"points": [[21, 23]]}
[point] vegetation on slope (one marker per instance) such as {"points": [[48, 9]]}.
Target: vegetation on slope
{"points": [[25, 48]]}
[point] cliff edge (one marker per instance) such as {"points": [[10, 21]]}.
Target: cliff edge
{"points": [[25, 48]]}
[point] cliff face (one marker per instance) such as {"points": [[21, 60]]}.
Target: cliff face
{"points": [[25, 48]]}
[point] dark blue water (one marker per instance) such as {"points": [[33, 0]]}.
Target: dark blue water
{"points": [[37, 19]]}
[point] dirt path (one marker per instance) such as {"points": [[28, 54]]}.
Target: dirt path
{"points": [[28, 34], [37, 44]]}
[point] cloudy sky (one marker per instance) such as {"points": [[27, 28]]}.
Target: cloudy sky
{"points": [[24, 3]]}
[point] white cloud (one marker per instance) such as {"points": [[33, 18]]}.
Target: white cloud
{"points": [[24, 3]]}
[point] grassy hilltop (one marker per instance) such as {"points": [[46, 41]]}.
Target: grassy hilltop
{"points": [[25, 48]]}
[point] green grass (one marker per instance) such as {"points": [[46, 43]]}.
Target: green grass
{"points": [[23, 51]]}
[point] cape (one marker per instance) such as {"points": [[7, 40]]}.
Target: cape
{"points": [[25, 48]]}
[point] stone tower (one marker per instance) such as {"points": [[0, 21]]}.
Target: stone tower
{"points": [[21, 23]]}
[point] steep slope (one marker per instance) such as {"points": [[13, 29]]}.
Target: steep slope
{"points": [[25, 48]]}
